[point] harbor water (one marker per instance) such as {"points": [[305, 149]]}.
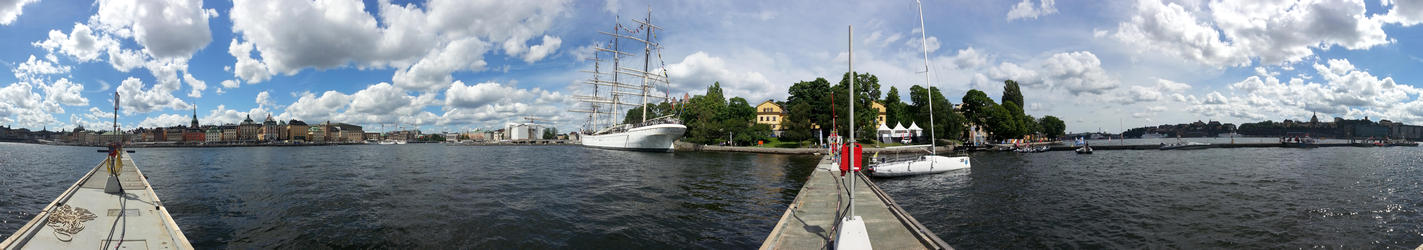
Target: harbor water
{"points": [[438, 196], [1246, 198]]}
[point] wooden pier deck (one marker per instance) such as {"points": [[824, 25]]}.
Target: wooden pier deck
{"points": [[809, 221], [84, 216]]}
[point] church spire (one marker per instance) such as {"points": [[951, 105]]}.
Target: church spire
{"points": [[195, 116]]}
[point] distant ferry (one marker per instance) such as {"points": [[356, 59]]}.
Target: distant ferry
{"points": [[610, 96]]}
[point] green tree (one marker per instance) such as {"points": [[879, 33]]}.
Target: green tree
{"points": [[1000, 122], [867, 91], [817, 95], [1011, 94], [947, 124], [701, 116], [798, 126], [1052, 126], [976, 106], [896, 111], [550, 133]]}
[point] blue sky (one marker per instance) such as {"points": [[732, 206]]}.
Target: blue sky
{"points": [[456, 65]]}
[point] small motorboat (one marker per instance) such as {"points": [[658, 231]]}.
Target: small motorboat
{"points": [[1032, 149], [1084, 150], [1185, 146], [927, 164]]}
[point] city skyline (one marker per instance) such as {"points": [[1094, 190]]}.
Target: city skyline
{"points": [[1099, 66]]}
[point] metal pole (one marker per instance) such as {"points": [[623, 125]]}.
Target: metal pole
{"points": [[853, 161], [923, 36]]}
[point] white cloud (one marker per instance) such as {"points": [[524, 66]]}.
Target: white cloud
{"points": [[433, 71], [1026, 10], [163, 121], [21, 107], [32, 69], [309, 107], [424, 45], [196, 85], [264, 99], [136, 99], [538, 52], [247, 68], [698, 70], [81, 43], [1405, 12], [231, 84], [1232, 33], [65, 92], [165, 29], [1077, 72], [1171, 86], [12, 9]]}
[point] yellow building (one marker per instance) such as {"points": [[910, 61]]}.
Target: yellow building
{"points": [[879, 119], [770, 113]]}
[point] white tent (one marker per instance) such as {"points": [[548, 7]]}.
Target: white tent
{"points": [[883, 133], [915, 130], [900, 131]]}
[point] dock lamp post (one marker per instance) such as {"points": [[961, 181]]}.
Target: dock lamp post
{"points": [[851, 233]]}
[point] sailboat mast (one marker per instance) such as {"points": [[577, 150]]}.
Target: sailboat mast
{"points": [[924, 41], [646, 57]]}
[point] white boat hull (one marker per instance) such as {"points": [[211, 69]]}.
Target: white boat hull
{"points": [[646, 138], [929, 164]]}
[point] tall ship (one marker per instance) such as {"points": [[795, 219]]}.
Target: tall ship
{"points": [[616, 87]]}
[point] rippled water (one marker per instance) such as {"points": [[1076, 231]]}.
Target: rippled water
{"points": [[1252, 198], [436, 196]]}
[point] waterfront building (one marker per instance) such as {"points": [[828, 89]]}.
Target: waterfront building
{"points": [[523, 131], [316, 133], [770, 113], [880, 117], [173, 134], [247, 131], [212, 134], [297, 130], [346, 133], [268, 132], [229, 132], [283, 134]]}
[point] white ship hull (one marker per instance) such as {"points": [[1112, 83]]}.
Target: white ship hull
{"points": [[647, 138], [929, 164]]}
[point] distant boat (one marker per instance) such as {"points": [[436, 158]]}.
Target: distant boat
{"points": [[1085, 150], [1153, 135], [1185, 146]]}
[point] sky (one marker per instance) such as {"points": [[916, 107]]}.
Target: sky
{"points": [[443, 65]]}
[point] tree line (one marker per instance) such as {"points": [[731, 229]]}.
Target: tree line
{"points": [[712, 119]]}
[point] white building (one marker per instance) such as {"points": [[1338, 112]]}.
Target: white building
{"points": [[523, 131]]}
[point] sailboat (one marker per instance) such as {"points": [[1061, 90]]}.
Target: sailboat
{"points": [[930, 163], [609, 95]]}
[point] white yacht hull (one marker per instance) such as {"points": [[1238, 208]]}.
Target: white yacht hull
{"points": [[929, 164], [646, 138]]}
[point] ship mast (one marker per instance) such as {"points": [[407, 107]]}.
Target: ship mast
{"points": [[923, 40], [646, 57]]}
